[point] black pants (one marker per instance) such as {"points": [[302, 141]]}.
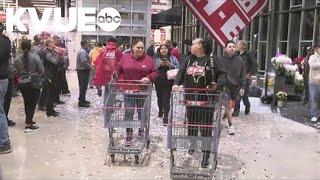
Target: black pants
{"points": [[163, 88], [64, 84], [30, 97], [43, 97], [83, 79], [200, 116], [7, 99], [51, 92]]}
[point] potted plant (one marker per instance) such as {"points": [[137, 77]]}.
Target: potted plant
{"points": [[299, 84], [279, 62], [281, 96]]}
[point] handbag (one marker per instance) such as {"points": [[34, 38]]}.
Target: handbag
{"points": [[172, 73], [30, 80], [33, 81]]}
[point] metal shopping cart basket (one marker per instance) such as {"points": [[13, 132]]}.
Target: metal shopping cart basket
{"points": [[193, 133], [127, 117]]}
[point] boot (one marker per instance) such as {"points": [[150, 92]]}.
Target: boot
{"points": [[165, 119], [205, 160]]}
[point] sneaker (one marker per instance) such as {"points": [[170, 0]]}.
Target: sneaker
{"points": [[31, 128], [11, 123], [247, 111], [99, 92], [84, 105], [59, 102], [66, 94], [231, 130], [314, 119], [160, 114], [6, 149], [165, 119], [205, 160], [87, 102]]}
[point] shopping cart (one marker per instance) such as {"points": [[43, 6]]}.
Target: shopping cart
{"points": [[127, 117], [193, 133]]}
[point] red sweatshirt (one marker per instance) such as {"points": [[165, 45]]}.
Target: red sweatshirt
{"points": [[130, 68], [106, 63]]}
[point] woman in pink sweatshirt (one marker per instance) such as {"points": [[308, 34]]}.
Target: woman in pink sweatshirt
{"points": [[136, 66]]}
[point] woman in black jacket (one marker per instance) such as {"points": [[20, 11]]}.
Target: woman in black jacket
{"points": [[164, 61], [26, 65], [198, 73], [51, 61]]}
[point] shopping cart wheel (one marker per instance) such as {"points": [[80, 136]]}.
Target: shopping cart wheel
{"points": [[112, 157], [136, 159]]}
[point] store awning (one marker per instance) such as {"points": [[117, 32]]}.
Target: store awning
{"points": [[167, 18]]}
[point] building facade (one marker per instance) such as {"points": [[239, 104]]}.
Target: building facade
{"points": [[135, 20], [285, 25]]}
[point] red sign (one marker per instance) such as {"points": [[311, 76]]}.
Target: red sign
{"points": [[224, 19]]}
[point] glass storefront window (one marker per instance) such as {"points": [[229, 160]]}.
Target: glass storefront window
{"points": [[139, 18], [294, 34], [283, 47], [140, 5], [264, 28], [262, 55], [285, 5], [309, 3], [317, 33], [296, 3], [307, 27], [284, 26]]}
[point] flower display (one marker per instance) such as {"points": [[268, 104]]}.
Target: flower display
{"points": [[282, 95]]}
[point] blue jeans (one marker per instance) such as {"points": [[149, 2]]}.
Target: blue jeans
{"points": [[4, 136], [245, 98], [314, 97], [131, 101]]}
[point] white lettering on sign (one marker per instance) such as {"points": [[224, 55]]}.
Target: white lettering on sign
{"points": [[35, 19], [247, 5], [212, 6], [14, 19], [108, 19], [231, 26], [65, 27]]}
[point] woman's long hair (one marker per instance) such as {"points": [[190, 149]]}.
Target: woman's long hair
{"points": [[160, 55], [25, 46]]}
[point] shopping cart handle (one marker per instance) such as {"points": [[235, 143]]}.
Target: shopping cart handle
{"points": [[197, 89], [129, 81]]}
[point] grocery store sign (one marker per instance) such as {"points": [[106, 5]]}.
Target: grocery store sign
{"points": [[224, 19], [82, 19]]}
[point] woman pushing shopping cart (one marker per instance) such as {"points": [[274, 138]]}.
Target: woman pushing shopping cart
{"points": [[129, 131], [195, 119]]}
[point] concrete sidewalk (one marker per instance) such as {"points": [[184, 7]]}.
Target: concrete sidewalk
{"points": [[73, 146]]}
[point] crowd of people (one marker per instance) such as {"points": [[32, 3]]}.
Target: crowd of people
{"points": [[40, 69]]}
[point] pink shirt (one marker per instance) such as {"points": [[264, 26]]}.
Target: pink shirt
{"points": [[130, 68]]}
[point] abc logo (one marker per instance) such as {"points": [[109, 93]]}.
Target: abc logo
{"points": [[109, 19]]}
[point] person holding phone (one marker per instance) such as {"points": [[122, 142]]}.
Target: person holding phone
{"points": [[165, 62]]}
